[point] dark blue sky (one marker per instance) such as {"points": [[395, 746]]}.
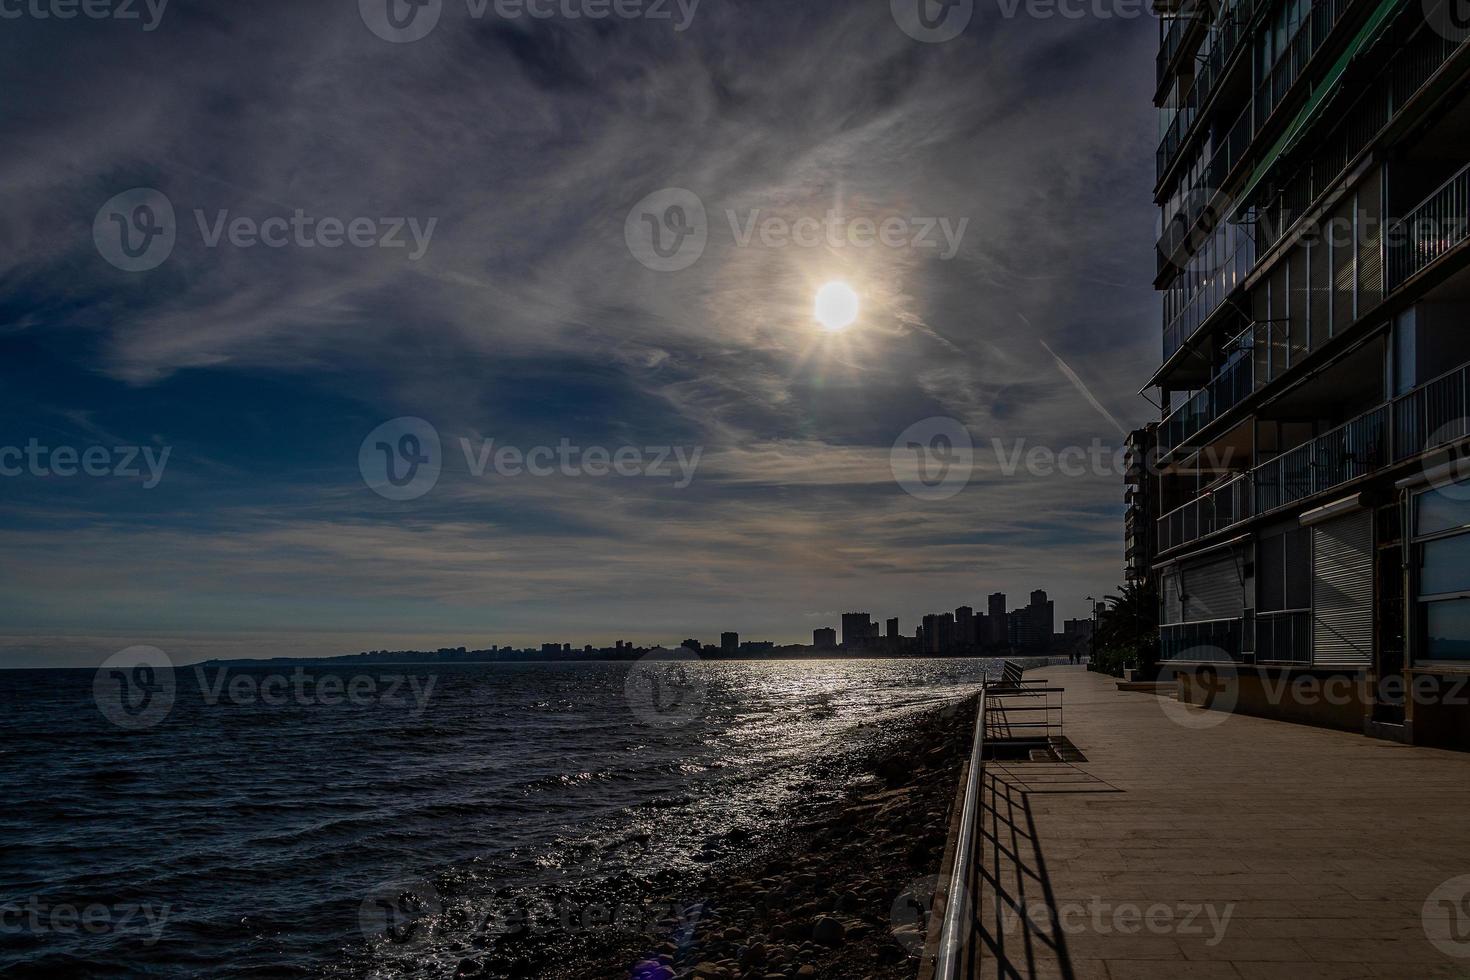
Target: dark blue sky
{"points": [[519, 150]]}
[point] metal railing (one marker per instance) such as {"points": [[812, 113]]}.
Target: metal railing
{"points": [[1209, 69], [1223, 392], [1208, 640], [1408, 70], [1431, 229], [1340, 456], [1432, 415], [1295, 54], [1214, 510], [1284, 637], [961, 912], [961, 941]]}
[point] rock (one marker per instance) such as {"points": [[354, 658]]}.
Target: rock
{"points": [[469, 967], [807, 971], [828, 931]]}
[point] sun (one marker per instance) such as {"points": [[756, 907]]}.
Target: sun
{"points": [[837, 306]]}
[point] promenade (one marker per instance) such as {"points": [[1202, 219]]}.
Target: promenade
{"points": [[1182, 848]]}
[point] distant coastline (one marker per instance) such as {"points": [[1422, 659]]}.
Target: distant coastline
{"points": [[626, 654]]}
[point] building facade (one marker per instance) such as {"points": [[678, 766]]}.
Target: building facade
{"points": [[1313, 180]]}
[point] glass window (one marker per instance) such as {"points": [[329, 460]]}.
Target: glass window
{"points": [[1447, 630], [1443, 509], [1446, 566]]}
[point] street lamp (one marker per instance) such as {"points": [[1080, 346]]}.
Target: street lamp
{"points": [[1092, 634]]}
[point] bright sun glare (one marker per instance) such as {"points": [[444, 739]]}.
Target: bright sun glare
{"points": [[837, 306]]}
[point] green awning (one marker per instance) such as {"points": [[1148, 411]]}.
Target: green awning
{"points": [[1324, 93]]}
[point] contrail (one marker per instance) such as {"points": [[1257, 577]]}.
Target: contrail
{"points": [[1077, 382]]}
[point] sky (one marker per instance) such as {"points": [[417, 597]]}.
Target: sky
{"points": [[262, 263]]}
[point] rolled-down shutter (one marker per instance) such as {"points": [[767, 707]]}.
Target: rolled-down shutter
{"points": [[1342, 591], [1213, 590]]}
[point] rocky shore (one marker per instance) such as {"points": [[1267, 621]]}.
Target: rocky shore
{"points": [[839, 890]]}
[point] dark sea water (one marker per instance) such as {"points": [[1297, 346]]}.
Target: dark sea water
{"points": [[270, 834]]}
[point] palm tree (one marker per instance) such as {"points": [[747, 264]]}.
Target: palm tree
{"points": [[1127, 625]]}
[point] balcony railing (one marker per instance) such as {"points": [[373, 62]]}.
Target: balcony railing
{"points": [[1213, 510], [1179, 225], [1434, 414], [1295, 55], [1408, 70], [1214, 641], [1426, 233], [1209, 69], [1347, 452], [1284, 637], [1224, 391]]}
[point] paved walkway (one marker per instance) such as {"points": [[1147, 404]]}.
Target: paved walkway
{"points": [[1249, 849]]}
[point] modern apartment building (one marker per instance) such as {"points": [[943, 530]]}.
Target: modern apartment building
{"points": [[1312, 486]]}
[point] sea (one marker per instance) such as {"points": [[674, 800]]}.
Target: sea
{"points": [[315, 821]]}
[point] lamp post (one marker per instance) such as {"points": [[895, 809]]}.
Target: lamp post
{"points": [[1092, 634]]}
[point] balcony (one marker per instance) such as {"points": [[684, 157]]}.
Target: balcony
{"points": [[1215, 641], [1284, 637], [1209, 69], [1227, 389], [1428, 232], [1408, 71], [1330, 460], [1432, 415], [1295, 54], [1214, 510], [1197, 198]]}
